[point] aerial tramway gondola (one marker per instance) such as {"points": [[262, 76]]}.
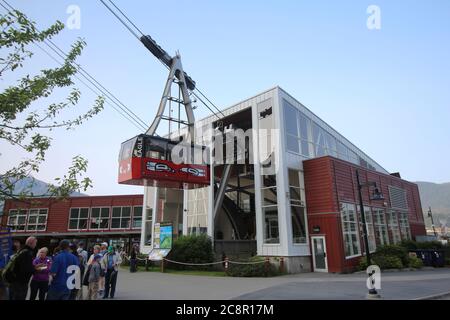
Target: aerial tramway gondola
{"points": [[146, 159]]}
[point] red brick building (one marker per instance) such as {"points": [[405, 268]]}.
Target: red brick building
{"points": [[91, 219], [334, 217]]}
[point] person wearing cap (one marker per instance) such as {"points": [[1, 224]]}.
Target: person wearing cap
{"points": [[110, 263], [60, 272], [101, 283], [94, 277]]}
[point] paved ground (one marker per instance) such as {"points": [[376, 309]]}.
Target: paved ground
{"points": [[394, 285]]}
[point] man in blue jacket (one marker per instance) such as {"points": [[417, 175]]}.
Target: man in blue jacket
{"points": [[64, 266]]}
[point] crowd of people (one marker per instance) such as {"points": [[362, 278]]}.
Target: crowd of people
{"points": [[62, 274]]}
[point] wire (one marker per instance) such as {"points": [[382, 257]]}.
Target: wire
{"points": [[134, 33], [131, 116], [123, 22], [126, 17]]}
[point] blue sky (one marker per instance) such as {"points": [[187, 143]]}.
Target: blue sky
{"points": [[386, 90]]}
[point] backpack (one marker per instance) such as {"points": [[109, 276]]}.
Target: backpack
{"points": [[8, 273]]}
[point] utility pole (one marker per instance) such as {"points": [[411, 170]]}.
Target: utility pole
{"points": [[430, 215]]}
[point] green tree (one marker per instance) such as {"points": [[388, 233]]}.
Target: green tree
{"points": [[28, 129]]}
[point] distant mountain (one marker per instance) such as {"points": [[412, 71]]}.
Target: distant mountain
{"points": [[38, 188], [436, 196]]}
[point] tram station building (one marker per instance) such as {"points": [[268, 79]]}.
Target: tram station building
{"points": [[304, 207], [297, 198]]}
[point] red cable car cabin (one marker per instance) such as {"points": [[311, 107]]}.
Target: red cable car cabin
{"points": [[148, 158]]}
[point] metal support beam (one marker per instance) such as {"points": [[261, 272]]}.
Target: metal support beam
{"points": [[218, 199]]}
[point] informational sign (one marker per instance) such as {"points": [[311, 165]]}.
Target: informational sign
{"points": [[158, 254], [163, 233], [156, 235], [162, 241], [5, 246], [166, 231]]}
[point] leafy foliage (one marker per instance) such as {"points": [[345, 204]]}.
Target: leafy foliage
{"points": [[29, 130], [260, 269], [191, 249]]}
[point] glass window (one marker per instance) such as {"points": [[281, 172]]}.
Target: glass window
{"points": [[292, 144], [17, 220], [369, 227], [381, 229], [271, 234], [290, 118], [393, 226], [295, 192], [404, 225], [78, 218], [350, 230], [137, 217], [37, 220], [298, 224], [121, 217], [319, 140], [148, 226], [99, 218], [342, 151], [270, 209]]}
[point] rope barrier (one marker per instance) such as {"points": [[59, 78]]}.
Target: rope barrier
{"points": [[206, 263]]}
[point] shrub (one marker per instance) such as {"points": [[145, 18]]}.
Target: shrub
{"points": [[395, 251], [383, 261], [409, 245], [430, 245], [191, 249], [253, 270], [415, 262]]}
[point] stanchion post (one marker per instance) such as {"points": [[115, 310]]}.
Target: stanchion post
{"points": [[226, 264], [281, 265], [266, 265], [162, 265], [146, 264]]}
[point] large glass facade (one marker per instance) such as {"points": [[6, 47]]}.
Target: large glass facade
{"points": [[306, 137]]}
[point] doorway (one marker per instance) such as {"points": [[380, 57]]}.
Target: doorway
{"points": [[319, 253]]}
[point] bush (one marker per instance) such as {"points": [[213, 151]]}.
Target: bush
{"points": [[415, 262], [191, 249], [383, 261], [409, 245], [394, 251], [252, 270]]}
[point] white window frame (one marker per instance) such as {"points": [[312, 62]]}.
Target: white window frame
{"points": [[378, 225], [91, 217], [17, 215], [121, 217], [350, 233], [37, 219], [142, 217], [78, 219]]}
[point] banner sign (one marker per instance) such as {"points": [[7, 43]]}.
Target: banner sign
{"points": [[5, 246]]}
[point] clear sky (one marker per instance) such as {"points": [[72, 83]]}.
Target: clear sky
{"points": [[386, 90]]}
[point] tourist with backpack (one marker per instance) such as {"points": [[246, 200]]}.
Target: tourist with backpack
{"points": [[19, 270], [41, 276], [92, 277], [60, 272]]}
